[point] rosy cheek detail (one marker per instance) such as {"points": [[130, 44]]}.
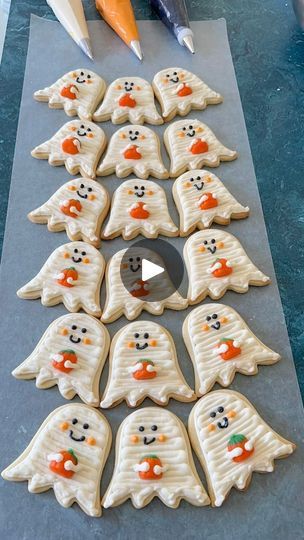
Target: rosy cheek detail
{"points": [[91, 197], [88, 81], [138, 87], [122, 136], [231, 414], [211, 427], [124, 266], [150, 192], [118, 87], [64, 426], [91, 441], [142, 137], [66, 255], [130, 192], [134, 439], [162, 438], [64, 332], [90, 135], [131, 345], [86, 261], [72, 128], [165, 81], [187, 184], [182, 76], [72, 188], [220, 245], [201, 249], [208, 179], [153, 343], [74, 74], [87, 341], [223, 320], [181, 134], [205, 328], [199, 130]]}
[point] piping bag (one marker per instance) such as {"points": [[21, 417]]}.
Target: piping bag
{"points": [[120, 16], [173, 13], [71, 15]]}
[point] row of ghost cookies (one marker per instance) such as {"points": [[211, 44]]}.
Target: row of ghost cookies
{"points": [[80, 207], [73, 274], [133, 149], [142, 358], [153, 454], [80, 92]]}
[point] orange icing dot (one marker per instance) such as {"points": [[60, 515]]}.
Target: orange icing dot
{"points": [[72, 188], [90, 135], [223, 320], [64, 332], [162, 438], [231, 414], [153, 342], [205, 327], [150, 192], [64, 425], [91, 441], [130, 192], [211, 427], [181, 134], [201, 249], [187, 184], [124, 266], [87, 341], [91, 197], [122, 136], [66, 255], [118, 87], [131, 344], [72, 128], [220, 245], [199, 129], [142, 137], [86, 260], [134, 438]]}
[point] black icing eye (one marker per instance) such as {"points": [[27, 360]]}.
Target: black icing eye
{"points": [[85, 426], [208, 318], [136, 335], [142, 188], [135, 187], [82, 126], [184, 128], [126, 82], [191, 179], [213, 241], [81, 73], [220, 409], [213, 414], [83, 253], [74, 327], [190, 127], [168, 75], [130, 132], [154, 428], [88, 76], [214, 316], [83, 330], [175, 73], [198, 178], [75, 250], [138, 259], [90, 189], [205, 242], [89, 129], [131, 259], [141, 428], [132, 84], [146, 335], [81, 186], [74, 421], [136, 132]]}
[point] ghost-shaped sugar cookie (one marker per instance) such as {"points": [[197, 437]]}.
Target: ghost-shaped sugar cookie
{"points": [[77, 92], [79, 207], [179, 91], [72, 274], [133, 149], [71, 354], [220, 344], [215, 262], [67, 454], [201, 199], [231, 441], [128, 99], [139, 208], [154, 459], [77, 145], [191, 144], [126, 292], [143, 363]]}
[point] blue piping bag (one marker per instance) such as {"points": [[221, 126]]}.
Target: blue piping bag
{"points": [[173, 13]]}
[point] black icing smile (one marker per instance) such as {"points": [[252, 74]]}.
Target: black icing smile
{"points": [[174, 79], [216, 326], [212, 248], [129, 86], [149, 441], [81, 133], [141, 347], [199, 187], [76, 260], [85, 196], [134, 268], [133, 136], [80, 439], [74, 340], [191, 133], [224, 423], [139, 192], [80, 81]]}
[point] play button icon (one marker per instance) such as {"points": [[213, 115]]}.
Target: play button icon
{"points": [[151, 270]]}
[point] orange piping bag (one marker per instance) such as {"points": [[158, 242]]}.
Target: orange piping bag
{"points": [[119, 15]]}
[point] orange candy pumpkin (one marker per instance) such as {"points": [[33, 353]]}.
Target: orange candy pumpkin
{"points": [[57, 467]]}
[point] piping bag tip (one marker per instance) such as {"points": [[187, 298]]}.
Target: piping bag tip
{"points": [[85, 45], [135, 46], [188, 42]]}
